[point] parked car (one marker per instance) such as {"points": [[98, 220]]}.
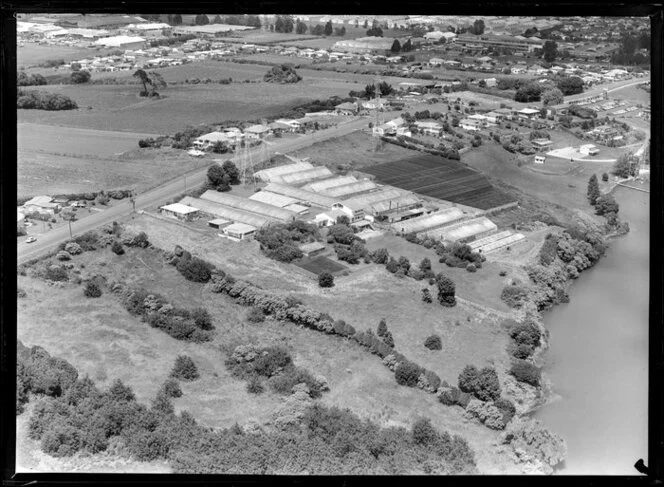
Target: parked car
{"points": [[31, 239]]}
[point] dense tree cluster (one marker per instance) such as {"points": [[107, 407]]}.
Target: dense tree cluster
{"points": [[282, 74], [221, 177], [483, 384], [284, 24], [41, 100], [280, 241], [23, 79], [446, 290], [570, 85]]}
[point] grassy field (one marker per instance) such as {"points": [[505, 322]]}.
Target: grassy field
{"points": [[119, 108], [32, 54], [568, 190], [101, 339]]}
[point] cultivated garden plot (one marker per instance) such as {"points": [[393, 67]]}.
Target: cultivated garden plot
{"points": [[442, 179]]}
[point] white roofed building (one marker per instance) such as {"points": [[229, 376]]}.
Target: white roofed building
{"points": [[179, 211]]}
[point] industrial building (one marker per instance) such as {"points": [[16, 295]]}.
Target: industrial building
{"points": [[515, 43], [306, 197], [429, 222], [248, 205], [273, 173], [217, 210], [302, 177], [464, 231], [321, 186], [273, 199], [239, 231], [348, 190]]}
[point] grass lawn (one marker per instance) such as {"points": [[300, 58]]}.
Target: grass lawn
{"points": [[318, 265]]}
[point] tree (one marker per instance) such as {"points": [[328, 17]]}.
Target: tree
{"points": [[326, 279], [382, 328], [407, 46], [69, 216], [144, 78], [177, 19], [301, 27], [317, 30], [232, 171], [426, 295], [327, 30], [605, 177], [478, 27], [279, 24], [433, 342], [468, 378], [606, 204], [116, 248], [184, 368], [375, 32], [593, 189], [396, 46], [340, 31], [254, 21], [424, 433], [217, 20], [528, 93], [366, 23], [621, 168], [550, 51], [552, 96], [446, 291], [482, 84], [202, 19], [570, 85], [215, 175]]}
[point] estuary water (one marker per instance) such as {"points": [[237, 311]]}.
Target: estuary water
{"points": [[598, 356]]}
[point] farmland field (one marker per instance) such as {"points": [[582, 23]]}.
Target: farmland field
{"points": [[442, 179], [318, 265], [32, 54], [119, 108]]}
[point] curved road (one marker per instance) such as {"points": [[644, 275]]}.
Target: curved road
{"points": [[154, 196]]}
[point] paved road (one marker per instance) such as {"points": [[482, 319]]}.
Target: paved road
{"points": [[167, 190]]}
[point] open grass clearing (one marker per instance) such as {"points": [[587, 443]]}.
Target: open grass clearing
{"points": [[32, 54], [47, 173]]}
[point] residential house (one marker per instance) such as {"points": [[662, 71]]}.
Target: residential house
{"points": [[328, 218], [239, 231], [346, 108], [541, 144], [470, 124], [436, 61], [528, 113], [429, 128], [490, 82], [539, 159], [494, 117], [42, 205], [207, 141], [257, 132], [589, 150]]}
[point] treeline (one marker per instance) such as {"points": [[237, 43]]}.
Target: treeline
{"points": [[23, 79], [423, 146], [74, 415], [41, 100]]}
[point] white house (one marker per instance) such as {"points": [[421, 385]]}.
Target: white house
{"points": [[588, 150], [436, 61], [540, 159], [239, 231], [430, 128], [529, 113], [208, 140], [470, 124], [494, 117]]}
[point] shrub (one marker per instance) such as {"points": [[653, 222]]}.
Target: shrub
{"points": [[184, 368], [514, 296], [195, 269], [605, 177], [525, 333], [292, 376], [506, 407], [255, 386], [271, 361], [382, 328], [56, 273], [426, 296], [522, 351], [63, 255], [483, 384], [73, 248], [202, 319], [423, 432], [524, 371], [471, 267], [171, 388], [20, 293], [407, 374], [487, 413], [388, 339], [326, 279], [92, 290], [446, 290], [433, 342], [255, 315], [117, 248]]}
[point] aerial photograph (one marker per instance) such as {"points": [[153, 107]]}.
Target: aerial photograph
{"points": [[332, 244]]}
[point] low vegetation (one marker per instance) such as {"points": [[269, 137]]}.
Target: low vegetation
{"points": [[285, 73]]}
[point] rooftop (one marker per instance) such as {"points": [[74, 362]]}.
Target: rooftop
{"points": [[179, 208]]}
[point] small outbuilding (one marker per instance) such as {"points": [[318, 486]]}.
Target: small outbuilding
{"points": [[312, 249], [239, 231], [179, 211]]}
